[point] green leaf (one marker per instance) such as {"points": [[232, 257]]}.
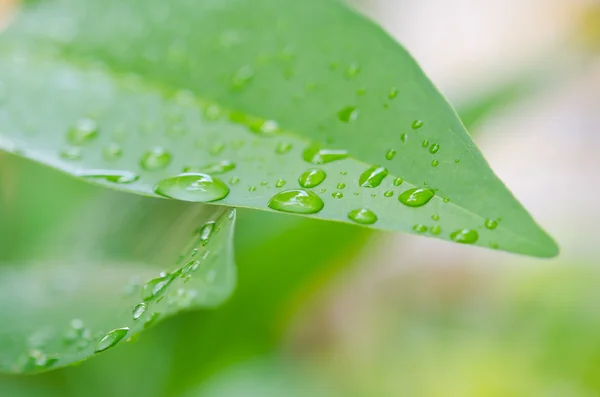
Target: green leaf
{"points": [[98, 279], [132, 93]]}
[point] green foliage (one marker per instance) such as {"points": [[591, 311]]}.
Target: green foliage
{"points": [[246, 96]]}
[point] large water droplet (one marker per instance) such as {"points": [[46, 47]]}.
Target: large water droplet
{"points": [[348, 114], [213, 168], [296, 201], [111, 339], [372, 177], [465, 236], [434, 148], [363, 216], [155, 287], [139, 310], [82, 132], [417, 124], [192, 187], [316, 155], [312, 178], [155, 159], [206, 231], [416, 197], [491, 224], [113, 176]]}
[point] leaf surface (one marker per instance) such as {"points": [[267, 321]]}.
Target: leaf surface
{"points": [[254, 94]]}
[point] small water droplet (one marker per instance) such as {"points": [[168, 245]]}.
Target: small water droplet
{"points": [[435, 217], [352, 70], [420, 228], [457, 161], [206, 231], [82, 132], [416, 197], [390, 154], [398, 181], [234, 180], [242, 77], [315, 155], [139, 310], [283, 148], [155, 287], [465, 236], [265, 128], [264, 183], [190, 268], [425, 143], [112, 151], [36, 360], [348, 114], [341, 185], [435, 163], [296, 201], [213, 168], [363, 216], [111, 339], [404, 138], [393, 93], [252, 189], [372, 177], [435, 230], [491, 224], [337, 195], [113, 176], [280, 183], [72, 153], [389, 193], [192, 187], [155, 159], [446, 200], [434, 148], [417, 124]]}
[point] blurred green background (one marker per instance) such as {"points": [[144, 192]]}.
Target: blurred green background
{"points": [[326, 309]]}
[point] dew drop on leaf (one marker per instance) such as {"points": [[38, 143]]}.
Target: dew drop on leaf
{"points": [[82, 132], [280, 183], [398, 181], [434, 148], [315, 155], [417, 124], [362, 216], [352, 70], [491, 224], [192, 187], [465, 236], [388, 193], [341, 185], [435, 163], [390, 154], [234, 180], [348, 114], [113, 176], [72, 153], [435, 217], [139, 310], [420, 228], [416, 197], [206, 231], [283, 148], [155, 159], [218, 168], [36, 360], [155, 287], [312, 178], [112, 152], [393, 93], [337, 195], [372, 177], [296, 201], [435, 229], [404, 138], [425, 143], [111, 339]]}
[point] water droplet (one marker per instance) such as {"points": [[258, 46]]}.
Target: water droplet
{"points": [[435, 229], [36, 360], [404, 138], [446, 200], [491, 224], [266, 128], [398, 181], [242, 77], [372, 177], [112, 151], [389, 193], [82, 132], [465, 236], [190, 268], [111, 339], [457, 161], [434, 148], [213, 168], [234, 180], [435, 163], [72, 153], [435, 217], [425, 143], [139, 310], [264, 183], [348, 114], [341, 185], [113, 176], [390, 154], [192, 187], [416, 197], [155, 159], [154, 288], [363, 216], [206, 231], [393, 93], [417, 124], [252, 189], [352, 70], [420, 228], [296, 201], [315, 155], [283, 148], [280, 183], [337, 195]]}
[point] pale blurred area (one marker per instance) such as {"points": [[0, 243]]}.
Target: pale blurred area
{"points": [[417, 317]]}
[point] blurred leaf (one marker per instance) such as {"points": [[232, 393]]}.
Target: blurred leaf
{"points": [[117, 91], [100, 265]]}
